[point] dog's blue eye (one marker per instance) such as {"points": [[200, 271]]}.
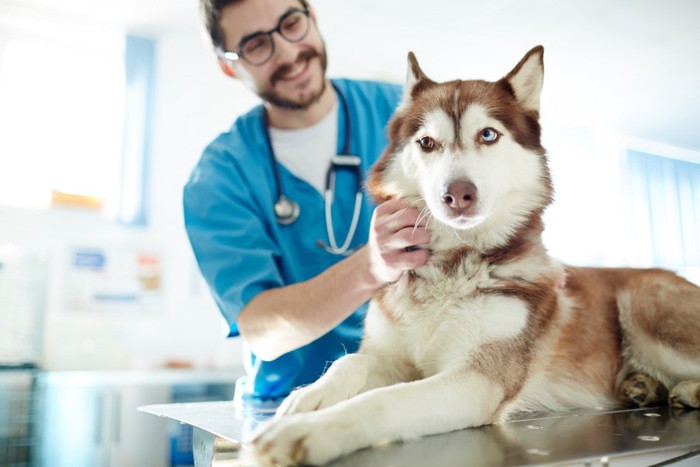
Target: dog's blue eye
{"points": [[489, 135]]}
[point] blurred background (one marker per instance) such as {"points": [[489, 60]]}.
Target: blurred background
{"points": [[105, 107]]}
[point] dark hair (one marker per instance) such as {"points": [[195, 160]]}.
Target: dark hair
{"points": [[210, 10]]}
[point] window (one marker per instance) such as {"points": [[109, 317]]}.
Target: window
{"points": [[64, 102], [664, 207]]}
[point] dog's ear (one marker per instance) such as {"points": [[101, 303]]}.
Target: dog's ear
{"points": [[415, 80], [414, 74], [527, 77]]}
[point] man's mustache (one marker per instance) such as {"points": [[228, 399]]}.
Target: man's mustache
{"points": [[284, 69]]}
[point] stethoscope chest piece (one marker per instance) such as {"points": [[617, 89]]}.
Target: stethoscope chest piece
{"points": [[286, 210]]}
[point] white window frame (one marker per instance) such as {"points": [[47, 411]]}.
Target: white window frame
{"points": [[128, 202], [642, 250]]}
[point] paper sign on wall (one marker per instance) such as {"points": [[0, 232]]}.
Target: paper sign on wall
{"points": [[114, 279]]}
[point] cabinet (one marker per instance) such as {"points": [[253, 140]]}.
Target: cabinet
{"points": [[90, 418], [94, 423], [17, 416]]}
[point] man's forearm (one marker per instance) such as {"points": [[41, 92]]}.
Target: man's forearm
{"points": [[280, 320]]}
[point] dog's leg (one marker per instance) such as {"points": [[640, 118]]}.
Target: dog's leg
{"points": [[659, 315], [347, 377], [685, 395], [445, 402], [641, 390]]}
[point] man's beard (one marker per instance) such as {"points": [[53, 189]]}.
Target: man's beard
{"points": [[275, 99]]}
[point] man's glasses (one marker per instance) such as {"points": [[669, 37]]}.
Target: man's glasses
{"points": [[258, 48]]}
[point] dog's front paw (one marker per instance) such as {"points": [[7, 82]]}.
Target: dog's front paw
{"points": [[318, 395], [300, 439], [685, 395]]}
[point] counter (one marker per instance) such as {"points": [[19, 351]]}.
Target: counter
{"points": [[90, 418], [624, 437]]}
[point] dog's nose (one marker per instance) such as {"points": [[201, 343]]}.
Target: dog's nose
{"points": [[460, 196]]}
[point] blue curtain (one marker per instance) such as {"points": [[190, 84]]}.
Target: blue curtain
{"points": [[665, 204], [138, 113]]}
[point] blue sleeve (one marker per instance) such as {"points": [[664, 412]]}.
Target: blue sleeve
{"points": [[225, 224]]}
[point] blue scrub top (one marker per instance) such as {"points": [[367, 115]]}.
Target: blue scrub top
{"points": [[242, 250]]}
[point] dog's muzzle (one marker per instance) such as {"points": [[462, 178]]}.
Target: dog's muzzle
{"points": [[460, 198]]}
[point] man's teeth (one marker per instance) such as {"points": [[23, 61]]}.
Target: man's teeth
{"points": [[296, 70]]}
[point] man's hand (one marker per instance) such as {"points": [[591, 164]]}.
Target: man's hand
{"points": [[398, 240], [282, 319]]}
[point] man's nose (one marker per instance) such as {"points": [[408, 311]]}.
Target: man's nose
{"points": [[284, 51]]}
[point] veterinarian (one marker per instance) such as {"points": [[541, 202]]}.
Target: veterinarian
{"points": [[290, 251]]}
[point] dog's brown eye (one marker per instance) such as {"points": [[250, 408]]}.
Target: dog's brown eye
{"points": [[489, 135], [427, 143]]}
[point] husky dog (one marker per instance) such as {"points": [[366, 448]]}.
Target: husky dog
{"points": [[491, 325]]}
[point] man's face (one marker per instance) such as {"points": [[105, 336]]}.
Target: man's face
{"points": [[295, 75]]}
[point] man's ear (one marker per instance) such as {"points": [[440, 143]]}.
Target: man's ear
{"points": [[226, 68]]}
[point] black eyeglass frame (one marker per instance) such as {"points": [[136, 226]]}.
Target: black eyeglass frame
{"points": [[231, 56]]}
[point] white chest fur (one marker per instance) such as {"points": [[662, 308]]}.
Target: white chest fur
{"points": [[437, 321]]}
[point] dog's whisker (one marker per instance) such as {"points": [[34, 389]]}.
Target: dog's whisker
{"points": [[411, 204], [416, 225], [427, 223], [423, 214], [415, 202]]}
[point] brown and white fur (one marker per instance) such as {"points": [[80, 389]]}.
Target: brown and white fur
{"points": [[492, 325]]}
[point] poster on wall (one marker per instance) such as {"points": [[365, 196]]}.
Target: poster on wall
{"points": [[120, 280]]}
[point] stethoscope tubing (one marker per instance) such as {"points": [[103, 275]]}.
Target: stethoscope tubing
{"points": [[287, 211]]}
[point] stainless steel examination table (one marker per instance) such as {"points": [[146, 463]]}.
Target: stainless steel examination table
{"points": [[654, 436]]}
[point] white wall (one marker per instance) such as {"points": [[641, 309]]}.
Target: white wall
{"points": [[193, 102]]}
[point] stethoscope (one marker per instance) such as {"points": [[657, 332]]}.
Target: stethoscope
{"points": [[287, 210]]}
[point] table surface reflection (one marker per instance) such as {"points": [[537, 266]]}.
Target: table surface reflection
{"points": [[546, 438]]}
